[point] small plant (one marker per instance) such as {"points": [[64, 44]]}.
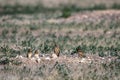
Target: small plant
{"points": [[116, 6], [4, 33], [8, 52], [46, 46], [67, 10], [66, 13], [63, 71], [5, 61], [99, 7], [33, 27], [16, 62]]}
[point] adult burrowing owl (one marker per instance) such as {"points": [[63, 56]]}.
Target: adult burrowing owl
{"points": [[57, 50], [80, 53], [29, 54]]}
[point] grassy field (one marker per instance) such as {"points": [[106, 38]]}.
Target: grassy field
{"points": [[96, 30]]}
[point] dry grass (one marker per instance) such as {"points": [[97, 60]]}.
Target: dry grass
{"points": [[64, 67], [96, 33]]}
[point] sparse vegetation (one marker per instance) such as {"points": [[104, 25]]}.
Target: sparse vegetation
{"points": [[96, 33]]}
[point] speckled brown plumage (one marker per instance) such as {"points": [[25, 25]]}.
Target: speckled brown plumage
{"points": [[29, 54], [80, 53], [36, 54], [57, 50]]}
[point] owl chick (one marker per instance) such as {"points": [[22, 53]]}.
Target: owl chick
{"points": [[29, 54], [36, 54]]}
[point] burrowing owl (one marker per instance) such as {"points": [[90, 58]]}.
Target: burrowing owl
{"points": [[29, 54], [80, 53], [57, 50], [36, 54]]}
